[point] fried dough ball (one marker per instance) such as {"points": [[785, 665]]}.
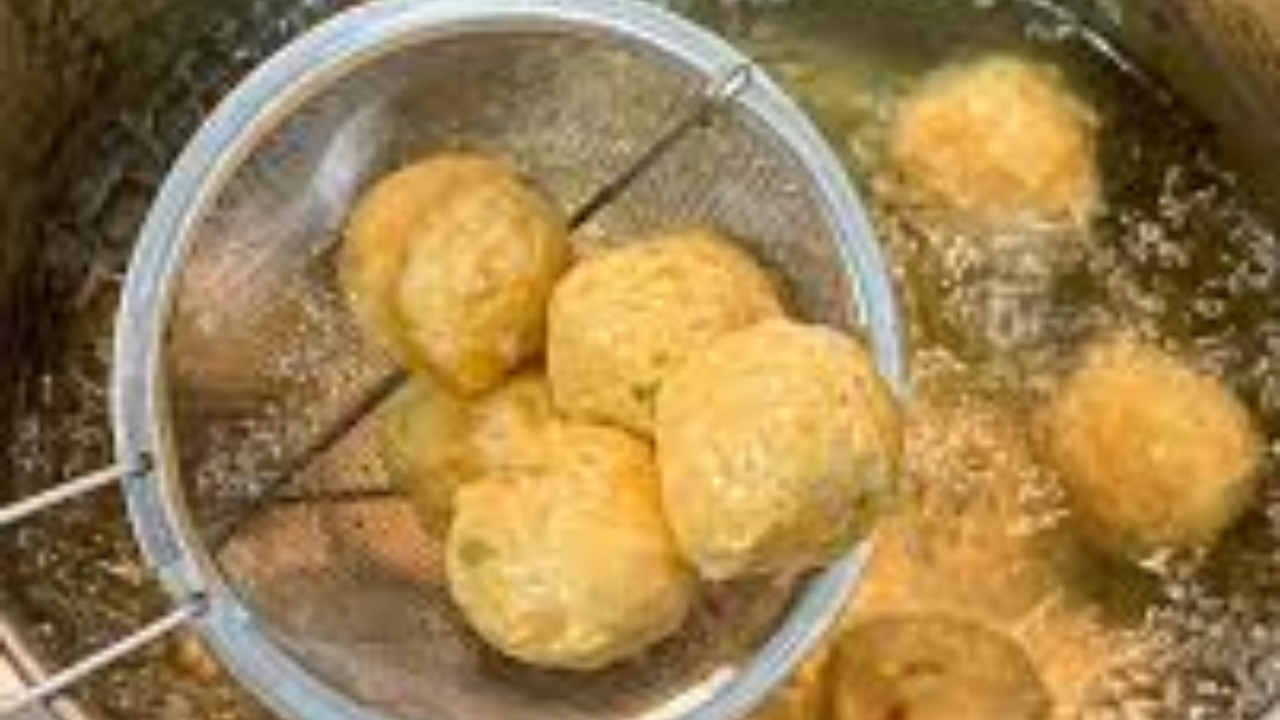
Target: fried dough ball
{"points": [[998, 143], [434, 441], [1153, 454], [933, 667], [619, 321], [569, 565], [450, 263], [778, 446]]}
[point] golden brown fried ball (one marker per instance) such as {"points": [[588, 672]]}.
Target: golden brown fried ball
{"points": [[1153, 454], [998, 143], [450, 262], [570, 565], [778, 446], [434, 441], [620, 320], [933, 667]]}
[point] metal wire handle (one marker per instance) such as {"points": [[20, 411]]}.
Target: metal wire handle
{"points": [[715, 96], [55, 684]]}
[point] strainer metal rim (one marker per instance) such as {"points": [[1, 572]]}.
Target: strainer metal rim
{"points": [[161, 521]]}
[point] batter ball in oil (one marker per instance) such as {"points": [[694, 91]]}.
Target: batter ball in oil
{"points": [[997, 142], [1154, 454]]}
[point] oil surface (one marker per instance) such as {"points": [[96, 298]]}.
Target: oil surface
{"points": [[1176, 256]]}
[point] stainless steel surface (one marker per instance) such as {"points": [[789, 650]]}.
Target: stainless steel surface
{"points": [[1224, 56]]}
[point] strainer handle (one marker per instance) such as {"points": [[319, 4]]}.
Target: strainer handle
{"points": [[29, 507], [56, 683]]}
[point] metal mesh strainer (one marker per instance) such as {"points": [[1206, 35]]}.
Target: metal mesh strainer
{"points": [[241, 387]]}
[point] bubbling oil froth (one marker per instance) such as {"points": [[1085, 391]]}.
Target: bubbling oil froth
{"points": [[1176, 256]]}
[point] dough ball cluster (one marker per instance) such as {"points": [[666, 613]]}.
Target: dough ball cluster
{"points": [[619, 322], [1153, 454], [449, 264], [997, 143], [683, 428]]}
